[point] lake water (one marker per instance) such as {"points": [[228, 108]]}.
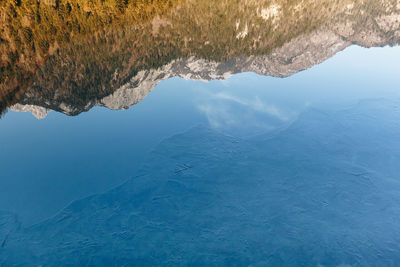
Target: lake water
{"points": [[206, 163]]}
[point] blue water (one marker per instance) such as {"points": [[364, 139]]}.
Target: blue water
{"points": [[249, 170]]}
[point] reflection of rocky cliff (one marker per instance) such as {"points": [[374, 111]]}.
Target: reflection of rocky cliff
{"points": [[277, 40]]}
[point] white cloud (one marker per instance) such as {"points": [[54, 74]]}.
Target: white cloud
{"points": [[241, 115], [255, 104], [218, 116]]}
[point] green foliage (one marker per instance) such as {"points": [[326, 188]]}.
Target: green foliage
{"points": [[31, 31], [77, 50]]}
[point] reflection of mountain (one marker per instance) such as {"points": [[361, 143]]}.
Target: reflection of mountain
{"points": [[118, 66], [323, 191]]}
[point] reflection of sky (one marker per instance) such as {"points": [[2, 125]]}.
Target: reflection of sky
{"points": [[47, 163], [260, 103]]}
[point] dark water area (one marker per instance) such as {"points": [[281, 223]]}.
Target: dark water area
{"points": [[176, 133]]}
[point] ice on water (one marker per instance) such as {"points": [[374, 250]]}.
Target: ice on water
{"points": [[325, 190]]}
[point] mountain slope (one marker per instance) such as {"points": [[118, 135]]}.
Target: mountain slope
{"points": [[277, 40]]}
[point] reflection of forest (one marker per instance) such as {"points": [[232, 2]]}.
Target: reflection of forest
{"points": [[78, 50], [33, 32]]}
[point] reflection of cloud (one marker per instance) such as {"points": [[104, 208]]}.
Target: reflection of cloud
{"points": [[218, 116], [255, 104], [242, 115]]}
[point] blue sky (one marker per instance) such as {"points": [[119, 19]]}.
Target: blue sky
{"points": [[45, 164]]}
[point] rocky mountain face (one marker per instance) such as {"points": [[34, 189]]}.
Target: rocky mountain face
{"points": [[281, 39]]}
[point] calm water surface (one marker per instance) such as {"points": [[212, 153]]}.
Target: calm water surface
{"points": [[260, 158]]}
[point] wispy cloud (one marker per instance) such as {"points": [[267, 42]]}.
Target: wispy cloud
{"points": [[255, 104], [228, 112], [218, 116]]}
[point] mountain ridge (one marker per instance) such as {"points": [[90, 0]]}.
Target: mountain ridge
{"points": [[71, 84]]}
